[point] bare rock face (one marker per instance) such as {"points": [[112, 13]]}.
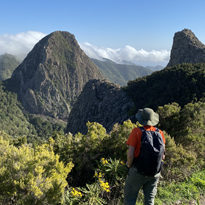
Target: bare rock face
{"points": [[102, 102], [53, 75], [186, 49]]}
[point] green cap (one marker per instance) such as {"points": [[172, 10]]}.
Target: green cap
{"points": [[147, 116]]}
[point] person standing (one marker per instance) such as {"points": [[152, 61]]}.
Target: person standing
{"points": [[146, 150]]}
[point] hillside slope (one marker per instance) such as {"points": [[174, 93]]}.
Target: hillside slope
{"points": [[102, 102], [181, 83], [120, 73], [12, 119], [8, 63]]}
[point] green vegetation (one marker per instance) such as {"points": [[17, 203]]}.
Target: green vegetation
{"points": [[36, 174], [12, 119], [8, 63], [40, 164], [181, 84], [192, 189], [20, 125]]}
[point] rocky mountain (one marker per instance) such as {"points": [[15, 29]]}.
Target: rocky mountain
{"points": [[121, 73], [52, 76], [186, 48], [8, 63], [107, 103], [102, 102]]}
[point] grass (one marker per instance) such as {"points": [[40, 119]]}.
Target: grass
{"points": [[181, 192], [184, 192]]}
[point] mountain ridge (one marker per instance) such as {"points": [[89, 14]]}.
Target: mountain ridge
{"points": [[120, 73], [52, 75]]}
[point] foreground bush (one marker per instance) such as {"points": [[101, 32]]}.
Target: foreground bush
{"points": [[31, 176], [85, 150], [38, 175]]}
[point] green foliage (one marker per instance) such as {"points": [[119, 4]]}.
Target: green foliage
{"points": [[8, 63], [179, 162], [12, 119], [181, 84], [85, 150], [169, 117], [35, 173], [187, 127], [45, 128], [115, 145], [184, 192], [22, 126], [107, 187], [31, 176]]}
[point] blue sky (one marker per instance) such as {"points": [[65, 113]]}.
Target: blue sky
{"points": [[141, 24]]}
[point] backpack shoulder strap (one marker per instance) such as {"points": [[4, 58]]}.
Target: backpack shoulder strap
{"points": [[157, 129]]}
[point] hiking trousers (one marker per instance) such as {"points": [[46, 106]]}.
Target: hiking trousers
{"points": [[134, 182]]}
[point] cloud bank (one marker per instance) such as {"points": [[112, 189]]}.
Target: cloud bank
{"points": [[128, 54], [19, 44]]}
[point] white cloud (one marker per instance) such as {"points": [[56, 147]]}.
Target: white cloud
{"points": [[128, 53], [19, 44]]}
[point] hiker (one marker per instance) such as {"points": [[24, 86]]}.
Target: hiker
{"points": [[146, 150]]}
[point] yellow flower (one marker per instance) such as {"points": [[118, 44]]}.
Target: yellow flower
{"points": [[96, 174], [100, 175], [122, 163], [76, 193], [104, 161], [104, 185]]}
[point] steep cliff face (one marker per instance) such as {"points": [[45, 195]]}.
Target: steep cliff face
{"points": [[53, 75], [186, 49], [102, 102]]}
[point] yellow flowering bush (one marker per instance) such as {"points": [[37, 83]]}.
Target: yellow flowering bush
{"points": [[76, 193], [31, 176], [104, 185], [104, 161]]}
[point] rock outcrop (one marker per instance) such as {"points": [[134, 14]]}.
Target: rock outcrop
{"points": [[186, 49], [53, 75], [102, 102]]}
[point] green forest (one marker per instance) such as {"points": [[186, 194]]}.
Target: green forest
{"points": [[41, 164]]}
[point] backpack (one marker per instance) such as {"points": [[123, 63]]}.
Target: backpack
{"points": [[152, 150]]}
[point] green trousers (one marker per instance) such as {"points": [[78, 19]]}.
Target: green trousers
{"points": [[134, 182]]}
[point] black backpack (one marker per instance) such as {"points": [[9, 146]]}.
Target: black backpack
{"points": [[152, 150]]}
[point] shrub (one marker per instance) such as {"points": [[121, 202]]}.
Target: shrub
{"points": [[31, 176]]}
